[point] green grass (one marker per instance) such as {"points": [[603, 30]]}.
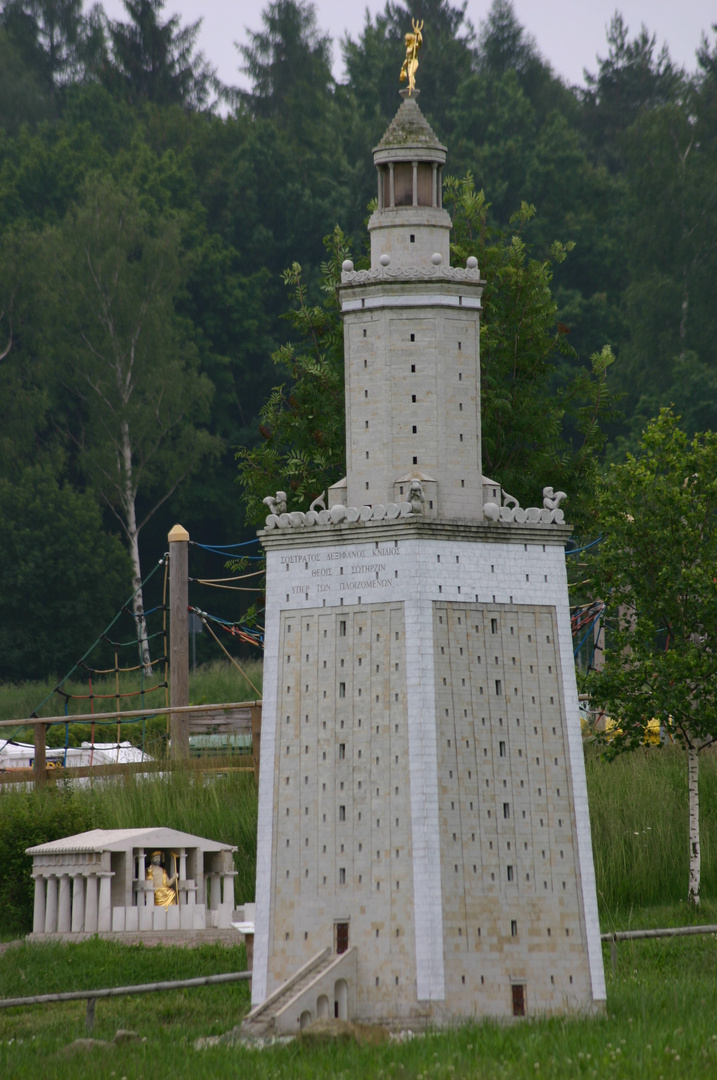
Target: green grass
{"points": [[662, 1005], [661, 1022]]}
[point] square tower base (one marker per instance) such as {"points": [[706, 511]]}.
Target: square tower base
{"points": [[422, 790]]}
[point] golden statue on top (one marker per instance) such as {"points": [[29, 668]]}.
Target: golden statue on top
{"points": [[410, 64]]}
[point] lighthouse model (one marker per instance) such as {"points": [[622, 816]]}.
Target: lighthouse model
{"points": [[424, 849]]}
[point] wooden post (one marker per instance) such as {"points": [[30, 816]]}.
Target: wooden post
{"points": [[90, 1020], [179, 640], [40, 764], [256, 738]]}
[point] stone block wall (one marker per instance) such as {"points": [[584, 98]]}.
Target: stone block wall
{"points": [[413, 402], [395, 736]]}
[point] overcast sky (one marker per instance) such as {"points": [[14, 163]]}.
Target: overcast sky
{"points": [[569, 33]]}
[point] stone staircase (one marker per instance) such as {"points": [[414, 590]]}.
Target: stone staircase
{"points": [[281, 1012]]}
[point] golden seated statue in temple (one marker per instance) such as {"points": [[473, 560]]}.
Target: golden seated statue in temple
{"points": [[164, 895]]}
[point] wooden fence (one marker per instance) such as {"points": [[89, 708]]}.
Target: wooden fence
{"points": [[91, 996], [243, 717], [638, 935]]}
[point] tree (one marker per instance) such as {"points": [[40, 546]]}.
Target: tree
{"points": [[541, 421], [302, 424], [57, 40], [127, 361], [23, 98], [155, 61], [630, 81], [670, 310], [527, 401], [655, 571], [293, 100], [62, 576], [289, 64], [24, 436]]}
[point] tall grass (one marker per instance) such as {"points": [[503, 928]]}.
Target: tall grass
{"points": [[222, 808], [638, 815]]}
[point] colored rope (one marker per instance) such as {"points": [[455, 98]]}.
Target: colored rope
{"points": [[585, 547], [245, 633], [233, 588], [237, 665], [96, 642], [124, 644], [142, 615], [230, 547], [241, 577]]}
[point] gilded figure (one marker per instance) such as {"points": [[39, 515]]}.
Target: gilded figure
{"points": [[410, 64], [164, 895]]}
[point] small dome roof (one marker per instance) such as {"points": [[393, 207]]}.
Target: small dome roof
{"points": [[409, 131]]}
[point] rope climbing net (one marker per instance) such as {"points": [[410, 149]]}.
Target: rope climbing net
{"points": [[107, 673], [247, 631]]}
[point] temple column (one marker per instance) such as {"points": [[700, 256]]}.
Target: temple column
{"points": [[182, 872], [78, 903], [51, 905], [434, 183], [380, 188], [227, 905], [391, 184], [141, 875], [38, 921], [104, 915], [91, 904], [64, 909], [414, 165]]}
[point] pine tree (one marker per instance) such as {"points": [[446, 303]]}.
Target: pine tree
{"points": [[156, 61]]}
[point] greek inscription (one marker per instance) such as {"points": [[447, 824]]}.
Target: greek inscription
{"points": [[382, 583]]}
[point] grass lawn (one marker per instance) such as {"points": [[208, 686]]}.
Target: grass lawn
{"points": [[661, 1021]]}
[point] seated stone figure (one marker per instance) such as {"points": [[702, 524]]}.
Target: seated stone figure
{"points": [[164, 896]]}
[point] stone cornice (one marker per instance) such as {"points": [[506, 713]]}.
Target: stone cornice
{"points": [[431, 274], [413, 528]]}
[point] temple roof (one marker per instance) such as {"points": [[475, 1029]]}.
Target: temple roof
{"points": [[98, 840], [409, 127]]}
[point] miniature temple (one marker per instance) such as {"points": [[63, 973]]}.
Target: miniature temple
{"points": [[102, 882], [424, 849]]}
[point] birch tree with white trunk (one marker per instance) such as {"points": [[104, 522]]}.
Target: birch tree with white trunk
{"points": [[656, 570], [128, 362]]}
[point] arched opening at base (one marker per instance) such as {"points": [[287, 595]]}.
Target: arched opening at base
{"points": [[341, 1000]]}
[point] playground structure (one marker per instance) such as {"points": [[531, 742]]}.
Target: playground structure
{"points": [[227, 732]]}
